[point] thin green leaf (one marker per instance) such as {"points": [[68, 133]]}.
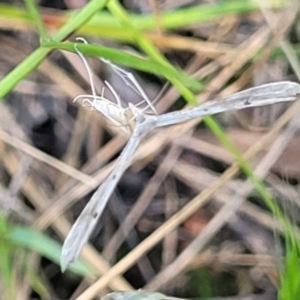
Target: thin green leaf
{"points": [[126, 59], [147, 46], [290, 275], [33, 60], [35, 241], [31, 6], [170, 20]]}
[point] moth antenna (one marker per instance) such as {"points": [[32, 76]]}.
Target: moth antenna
{"points": [[90, 73]]}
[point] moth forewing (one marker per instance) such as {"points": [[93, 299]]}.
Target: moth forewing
{"points": [[85, 223], [266, 94], [258, 96]]}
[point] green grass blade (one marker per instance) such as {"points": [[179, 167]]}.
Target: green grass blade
{"points": [[36, 19], [35, 241], [6, 261], [170, 20], [126, 59], [33, 60], [258, 184], [172, 75], [289, 274]]}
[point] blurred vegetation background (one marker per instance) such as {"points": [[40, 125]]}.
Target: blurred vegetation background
{"points": [[240, 239]]}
